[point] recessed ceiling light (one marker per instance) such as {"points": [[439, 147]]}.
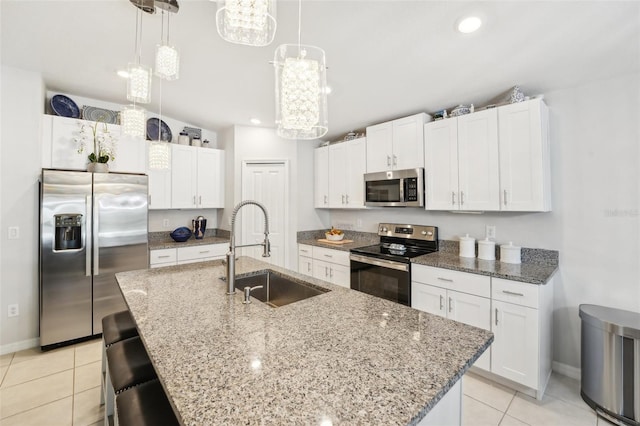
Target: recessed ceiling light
{"points": [[469, 24], [328, 90], [255, 121], [123, 73]]}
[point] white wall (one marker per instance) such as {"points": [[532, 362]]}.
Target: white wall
{"points": [[20, 158], [595, 222]]}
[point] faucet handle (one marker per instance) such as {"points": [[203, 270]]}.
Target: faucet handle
{"points": [[247, 293], [267, 248]]}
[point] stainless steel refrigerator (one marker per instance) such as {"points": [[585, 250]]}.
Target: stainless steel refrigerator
{"points": [[92, 225]]}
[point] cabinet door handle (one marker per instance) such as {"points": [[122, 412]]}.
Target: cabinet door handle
{"points": [[325, 199], [461, 197], [205, 251], [194, 200], [309, 267], [512, 293], [445, 279], [496, 316], [200, 199], [504, 197], [441, 302], [343, 199], [163, 257], [388, 160], [450, 304], [330, 272], [347, 197], [330, 256], [453, 198], [326, 271], [395, 160], [149, 202]]}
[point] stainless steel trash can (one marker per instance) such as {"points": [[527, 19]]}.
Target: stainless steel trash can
{"points": [[610, 354]]}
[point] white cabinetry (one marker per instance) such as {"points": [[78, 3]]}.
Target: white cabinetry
{"points": [[455, 295], [347, 166], [397, 144], [159, 188], [321, 177], [325, 264], [60, 149], [461, 163], [524, 157], [196, 177], [522, 324], [189, 254]]}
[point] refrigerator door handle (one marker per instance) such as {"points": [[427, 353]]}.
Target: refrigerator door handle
{"points": [[87, 240], [96, 246]]}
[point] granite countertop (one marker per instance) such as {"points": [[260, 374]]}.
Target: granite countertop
{"points": [[342, 247], [342, 356], [528, 271], [360, 239], [162, 240]]}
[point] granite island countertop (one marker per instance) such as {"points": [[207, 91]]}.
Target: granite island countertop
{"points": [[342, 356]]}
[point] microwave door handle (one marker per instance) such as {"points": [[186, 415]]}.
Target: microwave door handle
{"points": [[403, 183]]}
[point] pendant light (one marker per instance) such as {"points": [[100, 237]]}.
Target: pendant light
{"points": [[159, 150], [301, 89], [133, 117], [167, 56], [249, 22]]}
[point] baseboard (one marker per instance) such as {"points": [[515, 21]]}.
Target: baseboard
{"points": [[566, 370], [19, 346]]}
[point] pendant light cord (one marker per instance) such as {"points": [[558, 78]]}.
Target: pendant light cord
{"points": [[299, 23]]}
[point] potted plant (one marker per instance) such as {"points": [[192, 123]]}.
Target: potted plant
{"points": [[103, 145]]}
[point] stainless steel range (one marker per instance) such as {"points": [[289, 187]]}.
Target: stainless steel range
{"points": [[384, 269]]}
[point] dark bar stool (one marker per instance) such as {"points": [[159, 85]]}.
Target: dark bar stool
{"points": [[128, 365], [143, 405]]}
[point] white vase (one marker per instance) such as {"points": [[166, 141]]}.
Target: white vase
{"points": [[98, 167]]}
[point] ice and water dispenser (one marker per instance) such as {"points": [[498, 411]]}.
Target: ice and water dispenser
{"points": [[68, 235]]}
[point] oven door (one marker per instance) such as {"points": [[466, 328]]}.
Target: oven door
{"points": [[382, 278]]}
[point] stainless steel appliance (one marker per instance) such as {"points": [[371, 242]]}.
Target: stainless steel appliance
{"points": [[384, 269], [92, 225], [396, 188], [610, 355]]}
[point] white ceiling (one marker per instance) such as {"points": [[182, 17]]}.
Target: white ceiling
{"points": [[386, 59]]}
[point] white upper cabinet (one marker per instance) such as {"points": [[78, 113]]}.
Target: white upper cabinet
{"points": [[346, 170], [524, 157], [159, 188], [321, 177], [60, 148], [478, 176], [461, 163], [196, 177], [397, 144]]}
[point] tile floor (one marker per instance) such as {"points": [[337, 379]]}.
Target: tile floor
{"points": [[62, 387]]}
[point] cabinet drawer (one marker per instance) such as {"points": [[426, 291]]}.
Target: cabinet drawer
{"points": [[515, 292], [201, 252], [333, 256], [464, 282], [162, 256], [305, 250]]}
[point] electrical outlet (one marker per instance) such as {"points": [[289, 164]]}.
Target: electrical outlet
{"points": [[14, 233], [13, 310], [165, 223], [490, 232]]}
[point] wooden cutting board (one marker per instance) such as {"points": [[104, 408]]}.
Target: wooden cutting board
{"points": [[324, 240]]}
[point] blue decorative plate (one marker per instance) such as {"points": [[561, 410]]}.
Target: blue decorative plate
{"points": [[154, 128], [64, 106]]}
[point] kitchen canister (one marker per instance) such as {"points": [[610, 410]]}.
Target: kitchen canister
{"points": [[467, 246], [486, 249], [183, 139], [509, 253], [196, 141]]}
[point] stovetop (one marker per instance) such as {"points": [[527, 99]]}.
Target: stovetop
{"points": [[402, 242]]}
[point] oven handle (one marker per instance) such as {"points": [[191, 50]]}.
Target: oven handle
{"points": [[379, 262]]}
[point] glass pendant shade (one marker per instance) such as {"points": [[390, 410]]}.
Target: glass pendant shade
{"points": [[159, 155], [167, 62], [133, 119], [250, 22], [139, 83], [301, 92]]}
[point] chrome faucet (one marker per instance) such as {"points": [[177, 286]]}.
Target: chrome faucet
{"points": [[231, 256]]}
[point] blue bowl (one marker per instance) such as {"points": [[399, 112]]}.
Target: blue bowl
{"points": [[181, 234]]}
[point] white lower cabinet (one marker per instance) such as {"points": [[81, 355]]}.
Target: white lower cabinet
{"points": [[184, 255], [325, 264], [519, 314], [440, 299]]}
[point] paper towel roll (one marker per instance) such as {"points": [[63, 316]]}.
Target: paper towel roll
{"points": [[467, 246]]}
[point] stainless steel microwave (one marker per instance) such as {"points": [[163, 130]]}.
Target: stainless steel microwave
{"points": [[396, 188]]}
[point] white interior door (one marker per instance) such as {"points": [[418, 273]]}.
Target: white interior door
{"points": [[266, 183]]}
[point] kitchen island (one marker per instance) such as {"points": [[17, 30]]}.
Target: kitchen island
{"points": [[342, 357]]}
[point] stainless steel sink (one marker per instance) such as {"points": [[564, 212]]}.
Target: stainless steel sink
{"points": [[278, 290]]}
